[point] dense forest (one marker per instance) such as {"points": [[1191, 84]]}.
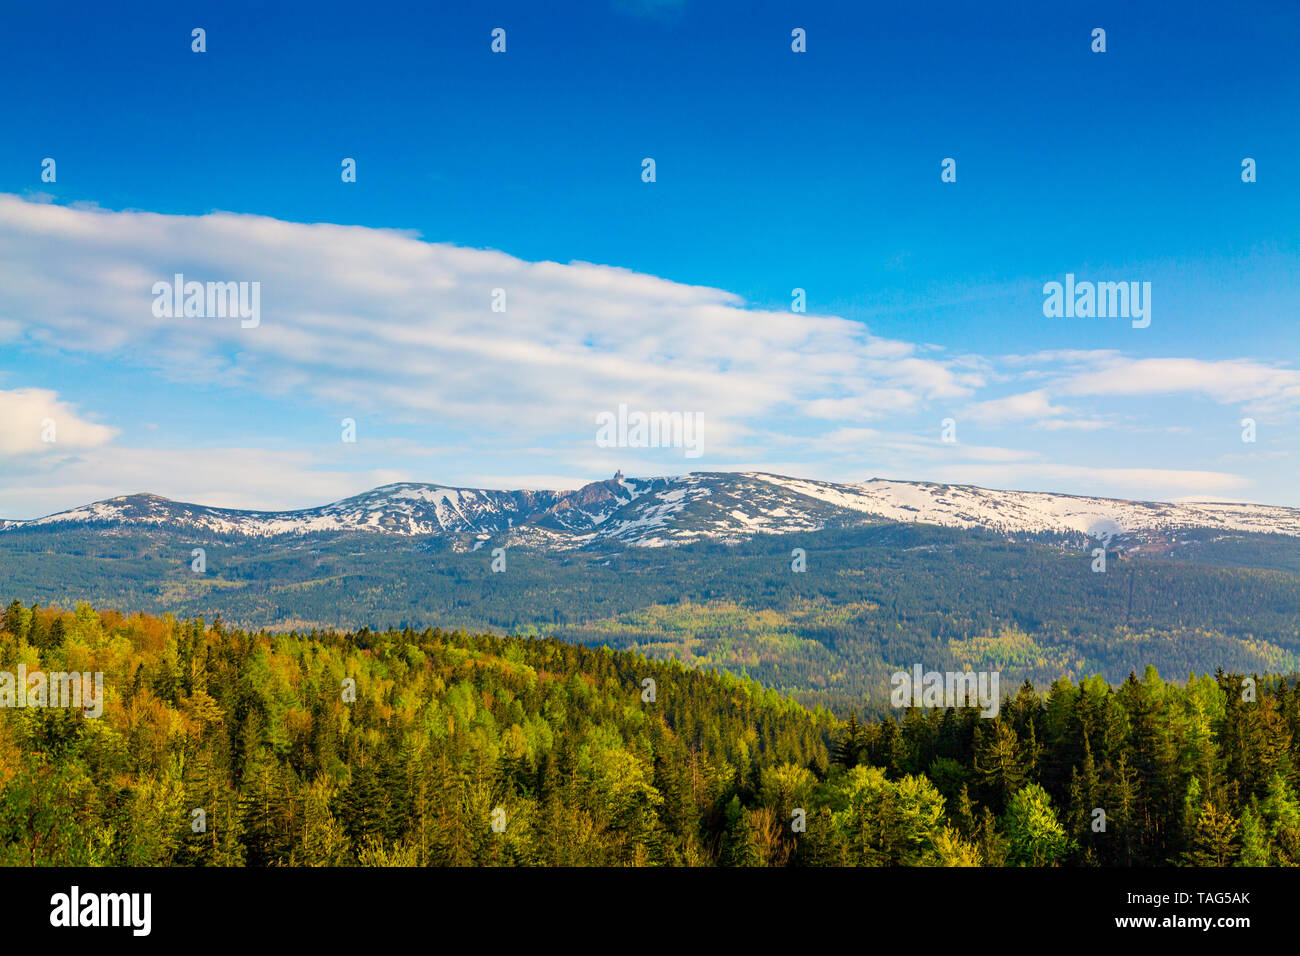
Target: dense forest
{"points": [[221, 747], [871, 597]]}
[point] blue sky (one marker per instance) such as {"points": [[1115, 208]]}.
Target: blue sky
{"points": [[775, 170]]}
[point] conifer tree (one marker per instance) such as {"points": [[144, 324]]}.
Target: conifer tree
{"points": [[1215, 838]]}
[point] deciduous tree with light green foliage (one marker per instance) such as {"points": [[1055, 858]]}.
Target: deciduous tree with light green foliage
{"points": [[1035, 837]]}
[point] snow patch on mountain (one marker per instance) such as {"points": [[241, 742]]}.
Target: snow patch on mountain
{"points": [[966, 506], [660, 512]]}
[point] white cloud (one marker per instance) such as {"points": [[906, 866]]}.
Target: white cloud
{"points": [[30, 417], [1074, 424], [1228, 381], [1265, 388], [1014, 408], [1139, 484], [249, 478], [378, 320], [379, 324]]}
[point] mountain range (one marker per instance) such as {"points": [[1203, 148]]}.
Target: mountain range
{"points": [[699, 567], [656, 512]]}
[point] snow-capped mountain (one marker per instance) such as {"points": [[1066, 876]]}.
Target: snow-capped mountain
{"points": [[655, 512], [966, 506], [405, 509]]}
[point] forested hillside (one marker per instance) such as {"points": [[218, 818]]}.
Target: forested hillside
{"points": [[871, 599], [446, 748]]}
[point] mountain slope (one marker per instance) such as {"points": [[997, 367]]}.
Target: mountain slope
{"points": [[654, 512], [967, 506]]}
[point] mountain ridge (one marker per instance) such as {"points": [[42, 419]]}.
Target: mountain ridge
{"points": [[670, 510]]}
